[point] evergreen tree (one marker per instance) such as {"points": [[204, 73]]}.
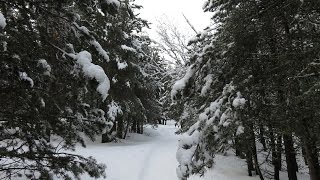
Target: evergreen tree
{"points": [[266, 49], [69, 69]]}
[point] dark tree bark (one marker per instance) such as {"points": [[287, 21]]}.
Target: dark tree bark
{"points": [[312, 158], [261, 138], [279, 152], [310, 146], [141, 124], [274, 154], [237, 146], [255, 156], [120, 128], [304, 155], [290, 157], [248, 149], [127, 128], [139, 127], [249, 162], [134, 126]]}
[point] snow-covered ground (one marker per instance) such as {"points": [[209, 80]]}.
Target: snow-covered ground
{"points": [[152, 156], [226, 168], [140, 157]]}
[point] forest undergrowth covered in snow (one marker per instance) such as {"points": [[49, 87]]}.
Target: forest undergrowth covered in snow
{"points": [[85, 93]]}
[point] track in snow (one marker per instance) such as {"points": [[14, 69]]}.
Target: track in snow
{"points": [[160, 163], [141, 157]]}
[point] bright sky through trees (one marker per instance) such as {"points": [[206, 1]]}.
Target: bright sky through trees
{"points": [[174, 9]]}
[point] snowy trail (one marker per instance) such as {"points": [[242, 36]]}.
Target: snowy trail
{"points": [[161, 161], [140, 157], [152, 156]]}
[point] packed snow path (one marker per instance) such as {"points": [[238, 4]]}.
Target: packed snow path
{"points": [[152, 156], [140, 157]]}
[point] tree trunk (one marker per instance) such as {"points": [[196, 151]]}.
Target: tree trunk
{"points": [[279, 152], [248, 150], [312, 158], [309, 142], [274, 154], [261, 137], [141, 124], [127, 128], [290, 157], [249, 162], [304, 155], [139, 127], [134, 126], [120, 128], [237, 147], [254, 153]]}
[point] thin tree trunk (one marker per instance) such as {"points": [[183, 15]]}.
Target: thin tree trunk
{"points": [[304, 155], [279, 152], [290, 157], [254, 153], [237, 147], [134, 126], [261, 137], [274, 154], [141, 127], [309, 142], [312, 158], [127, 128], [138, 127], [248, 150], [120, 128], [249, 162]]}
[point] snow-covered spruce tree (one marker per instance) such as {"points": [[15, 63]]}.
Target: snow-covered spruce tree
{"points": [[57, 61], [44, 94], [212, 107], [135, 93], [266, 49], [211, 134]]}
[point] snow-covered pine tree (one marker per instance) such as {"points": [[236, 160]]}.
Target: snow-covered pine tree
{"points": [[44, 91], [58, 61], [266, 49], [135, 93]]}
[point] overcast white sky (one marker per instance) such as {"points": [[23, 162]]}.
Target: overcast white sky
{"points": [[173, 9]]}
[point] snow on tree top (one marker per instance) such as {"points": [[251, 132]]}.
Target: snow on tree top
{"points": [[24, 77], [181, 84], [127, 48], [208, 81], [44, 64], [238, 101], [2, 21], [115, 2], [101, 51], [91, 70]]}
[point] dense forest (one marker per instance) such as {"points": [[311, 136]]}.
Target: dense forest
{"points": [[72, 70]]}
